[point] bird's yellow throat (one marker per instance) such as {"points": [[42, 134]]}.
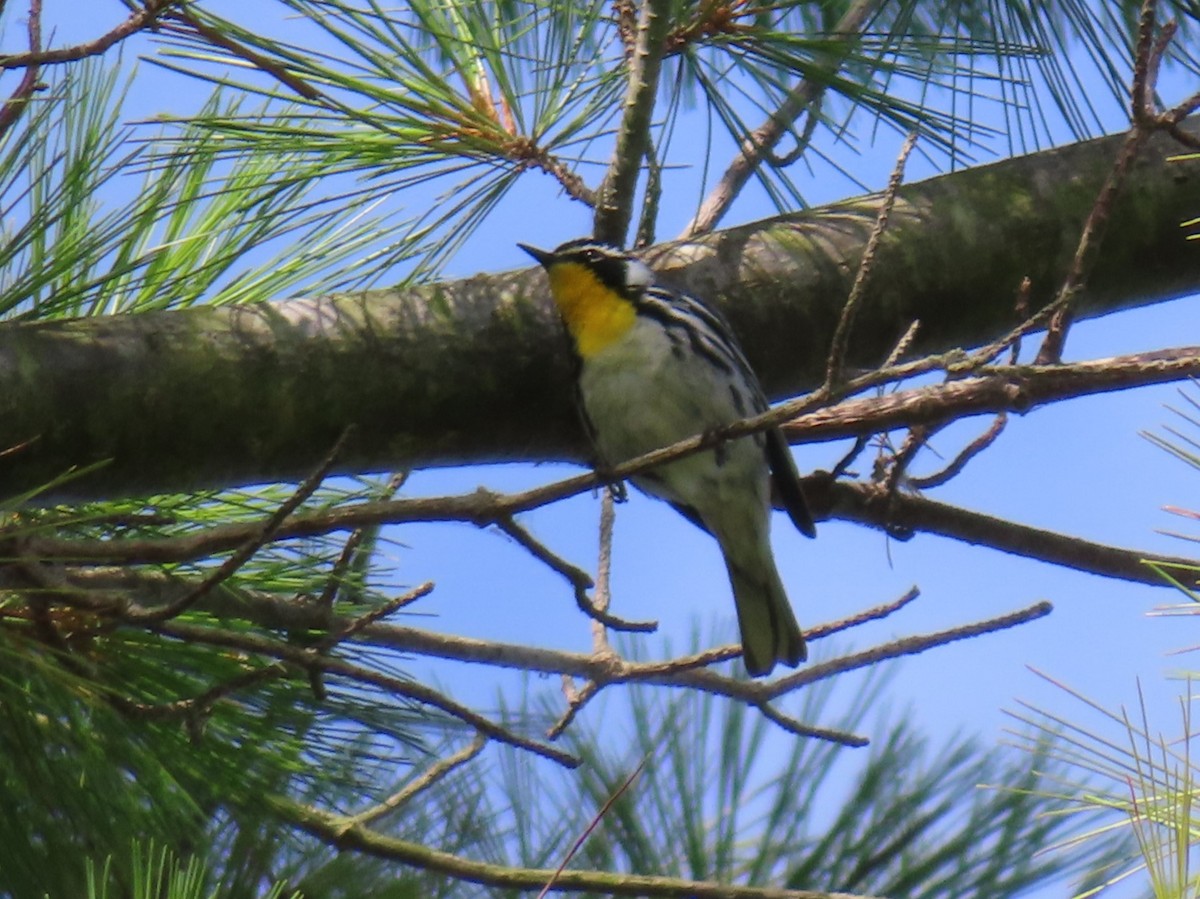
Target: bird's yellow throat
{"points": [[595, 314]]}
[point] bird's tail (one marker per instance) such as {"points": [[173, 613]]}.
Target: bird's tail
{"points": [[770, 633]]}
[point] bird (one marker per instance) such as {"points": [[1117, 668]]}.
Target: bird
{"points": [[656, 365]]}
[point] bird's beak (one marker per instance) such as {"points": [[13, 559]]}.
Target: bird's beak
{"points": [[545, 257]]}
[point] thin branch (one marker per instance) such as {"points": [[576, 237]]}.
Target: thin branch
{"points": [[1007, 388], [890, 475], [577, 698], [614, 206], [651, 196], [196, 708], [264, 532], [350, 550], [328, 828], [959, 462], [30, 83], [1060, 312], [875, 613], [603, 591], [139, 21], [309, 659], [798, 728], [758, 145], [906, 646], [368, 618], [526, 153], [841, 335], [1145, 65], [431, 776], [579, 579]]}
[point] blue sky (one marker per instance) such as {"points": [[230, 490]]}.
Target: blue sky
{"points": [[1080, 467]]}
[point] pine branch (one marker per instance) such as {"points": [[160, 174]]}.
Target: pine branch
{"points": [[145, 18], [758, 145], [330, 828], [614, 205]]}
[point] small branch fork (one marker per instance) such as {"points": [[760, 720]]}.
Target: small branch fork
{"points": [[147, 17], [1151, 48], [1055, 317], [30, 83]]}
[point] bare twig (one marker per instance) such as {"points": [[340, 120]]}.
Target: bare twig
{"points": [[1059, 313], [577, 698], [368, 618], [139, 21], [579, 579], [525, 152], [350, 551], [651, 195], [900, 350], [893, 470], [196, 708], [841, 335], [1145, 121], [906, 646], [992, 390], [959, 462], [1021, 307], [30, 83], [603, 591], [870, 504], [431, 775], [873, 614], [801, 729], [842, 466]]}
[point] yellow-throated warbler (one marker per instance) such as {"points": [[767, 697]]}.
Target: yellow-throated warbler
{"points": [[655, 366]]}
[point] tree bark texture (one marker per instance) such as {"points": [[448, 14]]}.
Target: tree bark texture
{"points": [[478, 370]]}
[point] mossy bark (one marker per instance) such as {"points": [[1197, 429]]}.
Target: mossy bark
{"points": [[478, 370]]}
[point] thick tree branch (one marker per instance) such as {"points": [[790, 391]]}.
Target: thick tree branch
{"points": [[907, 514], [477, 370]]}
